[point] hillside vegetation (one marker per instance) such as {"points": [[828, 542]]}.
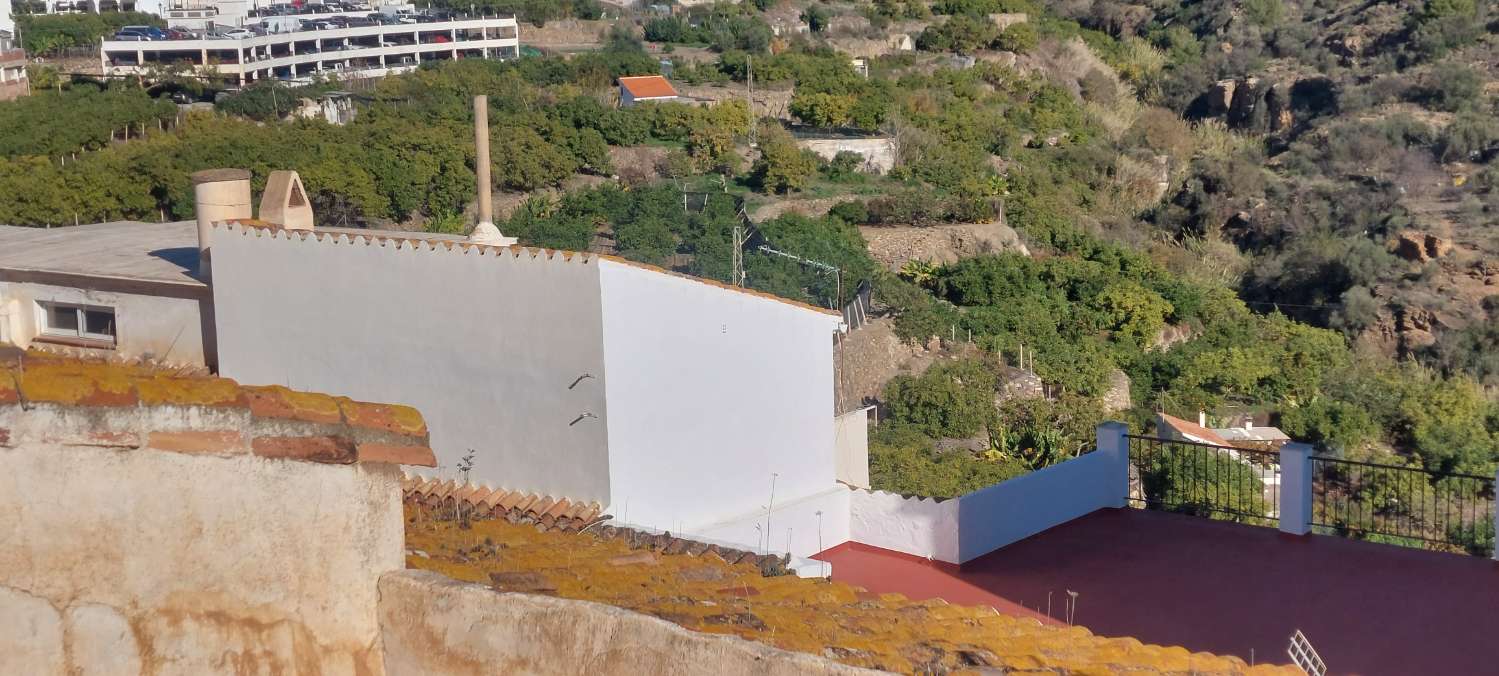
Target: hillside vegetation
{"points": [[1221, 199]]}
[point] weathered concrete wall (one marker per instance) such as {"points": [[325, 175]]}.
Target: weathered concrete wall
{"points": [[501, 350], [713, 395], [155, 328], [433, 625], [141, 561], [878, 153]]}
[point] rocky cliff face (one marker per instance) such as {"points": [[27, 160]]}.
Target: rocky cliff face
{"points": [[1248, 104]]}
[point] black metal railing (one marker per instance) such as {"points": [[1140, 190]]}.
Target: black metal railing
{"points": [[1220, 482], [1402, 505]]}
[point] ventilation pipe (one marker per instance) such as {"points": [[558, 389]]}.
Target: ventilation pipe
{"points": [[484, 231], [218, 195]]}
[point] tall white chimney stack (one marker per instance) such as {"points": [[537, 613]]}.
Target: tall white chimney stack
{"points": [[484, 231], [1202, 418]]}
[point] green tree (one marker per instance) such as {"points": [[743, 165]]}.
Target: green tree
{"points": [[822, 109], [527, 161], [1021, 38], [953, 399], [783, 167]]}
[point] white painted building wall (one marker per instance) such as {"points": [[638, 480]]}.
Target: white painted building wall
{"points": [[501, 352], [711, 394], [163, 329]]}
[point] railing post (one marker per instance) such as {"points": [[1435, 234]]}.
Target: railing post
{"points": [[1295, 488], [1113, 444]]}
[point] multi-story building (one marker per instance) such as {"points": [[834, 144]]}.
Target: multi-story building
{"points": [[13, 82], [358, 51]]}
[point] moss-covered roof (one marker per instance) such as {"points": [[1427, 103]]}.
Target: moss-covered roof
{"points": [[704, 592]]}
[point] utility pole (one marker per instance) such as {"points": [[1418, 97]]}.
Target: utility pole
{"points": [[738, 279], [749, 97]]}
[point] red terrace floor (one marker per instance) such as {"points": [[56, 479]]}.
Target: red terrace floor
{"points": [[1225, 588]]}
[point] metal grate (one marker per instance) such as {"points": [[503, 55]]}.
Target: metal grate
{"points": [[1221, 482], [1403, 505], [1305, 656]]}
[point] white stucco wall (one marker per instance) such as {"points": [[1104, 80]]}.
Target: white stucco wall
{"points": [[501, 353], [125, 561], [162, 329], [711, 392], [851, 439], [917, 526]]}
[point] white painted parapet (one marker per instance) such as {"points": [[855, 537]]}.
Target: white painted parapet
{"points": [[1296, 488], [922, 527]]}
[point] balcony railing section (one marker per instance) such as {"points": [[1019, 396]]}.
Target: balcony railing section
{"points": [[1403, 505], [1218, 482]]}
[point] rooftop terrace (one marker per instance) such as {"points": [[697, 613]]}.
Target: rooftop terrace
{"points": [[1226, 588]]}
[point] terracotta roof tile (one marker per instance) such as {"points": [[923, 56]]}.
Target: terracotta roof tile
{"points": [[502, 503], [648, 86]]}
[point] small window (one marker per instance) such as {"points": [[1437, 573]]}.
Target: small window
{"points": [[93, 324]]}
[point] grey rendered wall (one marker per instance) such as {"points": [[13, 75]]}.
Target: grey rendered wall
{"points": [[432, 625], [162, 329], [487, 343], [711, 391]]}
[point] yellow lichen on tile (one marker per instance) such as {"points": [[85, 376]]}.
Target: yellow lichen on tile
{"points": [[832, 619]]}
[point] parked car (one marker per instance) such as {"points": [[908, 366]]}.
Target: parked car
{"points": [[175, 34], [151, 31], [317, 25], [235, 34], [142, 33]]}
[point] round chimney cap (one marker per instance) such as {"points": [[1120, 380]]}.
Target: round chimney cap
{"points": [[220, 175]]}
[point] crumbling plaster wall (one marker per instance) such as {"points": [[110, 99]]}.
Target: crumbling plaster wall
{"points": [[137, 561], [433, 625]]}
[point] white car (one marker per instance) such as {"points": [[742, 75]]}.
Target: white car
{"points": [[236, 34]]}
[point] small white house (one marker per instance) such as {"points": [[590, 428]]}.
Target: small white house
{"points": [[123, 290], [645, 88]]}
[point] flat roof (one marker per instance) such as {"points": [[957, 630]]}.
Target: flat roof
{"points": [[154, 252]]}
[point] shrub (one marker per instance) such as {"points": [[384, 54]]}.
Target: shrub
{"points": [[1020, 38], [1450, 87]]}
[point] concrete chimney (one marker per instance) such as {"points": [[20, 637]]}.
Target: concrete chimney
{"points": [[1202, 418], [284, 201], [218, 195], [484, 231]]}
